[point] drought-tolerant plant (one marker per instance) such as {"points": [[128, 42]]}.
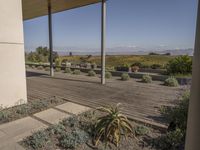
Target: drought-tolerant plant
{"points": [[77, 72], [37, 140], [177, 119], [39, 105], [23, 109], [146, 78], [180, 65], [70, 140], [171, 81], [47, 68], [108, 75], [112, 126], [57, 129], [156, 66], [4, 115], [58, 69], [40, 67], [91, 73], [125, 77], [67, 70], [141, 130]]}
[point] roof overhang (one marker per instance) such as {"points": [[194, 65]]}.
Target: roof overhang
{"points": [[37, 8]]}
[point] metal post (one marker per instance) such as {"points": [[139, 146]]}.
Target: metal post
{"points": [[103, 32], [193, 124], [50, 39]]}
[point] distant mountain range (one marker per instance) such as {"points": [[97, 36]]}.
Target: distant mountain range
{"points": [[127, 51]]}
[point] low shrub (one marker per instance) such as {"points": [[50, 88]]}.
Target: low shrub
{"points": [[171, 81], [23, 109], [72, 139], [39, 105], [180, 65], [67, 70], [47, 68], [108, 75], [125, 77], [40, 67], [156, 66], [146, 78], [76, 72], [57, 129], [4, 116], [57, 69], [141, 130], [37, 140], [177, 118], [91, 73]]}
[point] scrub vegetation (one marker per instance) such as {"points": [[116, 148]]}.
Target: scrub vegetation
{"points": [[23, 110]]}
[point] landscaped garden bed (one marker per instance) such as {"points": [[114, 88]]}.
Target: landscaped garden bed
{"points": [[78, 133], [32, 107]]}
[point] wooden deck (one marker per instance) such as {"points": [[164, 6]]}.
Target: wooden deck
{"points": [[139, 100]]}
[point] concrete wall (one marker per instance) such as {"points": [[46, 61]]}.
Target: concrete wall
{"points": [[12, 64]]}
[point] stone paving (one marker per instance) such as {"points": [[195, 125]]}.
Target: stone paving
{"points": [[15, 131]]}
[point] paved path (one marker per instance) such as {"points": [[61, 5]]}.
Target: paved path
{"points": [[140, 101], [15, 131]]}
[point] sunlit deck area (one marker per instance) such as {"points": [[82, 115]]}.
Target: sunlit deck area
{"points": [[140, 101]]}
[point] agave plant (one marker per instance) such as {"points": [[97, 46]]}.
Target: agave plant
{"points": [[112, 126]]}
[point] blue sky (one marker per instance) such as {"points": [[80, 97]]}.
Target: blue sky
{"points": [[149, 24]]}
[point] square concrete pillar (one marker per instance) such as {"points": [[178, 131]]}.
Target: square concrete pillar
{"points": [[12, 63]]}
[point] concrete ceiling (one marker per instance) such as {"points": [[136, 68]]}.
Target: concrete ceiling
{"points": [[36, 8]]}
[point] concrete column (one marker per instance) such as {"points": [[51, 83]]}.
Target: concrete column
{"points": [[50, 39], [193, 125], [12, 63], [103, 32]]}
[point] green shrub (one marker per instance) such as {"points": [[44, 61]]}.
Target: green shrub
{"points": [[76, 72], [156, 66], [125, 77], [67, 70], [4, 115], [177, 118], [108, 75], [180, 65], [171, 81], [58, 69], [91, 73], [72, 139], [146, 78], [40, 67], [47, 68], [57, 129], [37, 140], [141, 130], [39, 105], [23, 109], [112, 127]]}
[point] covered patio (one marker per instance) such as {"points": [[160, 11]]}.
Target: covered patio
{"points": [[13, 80]]}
